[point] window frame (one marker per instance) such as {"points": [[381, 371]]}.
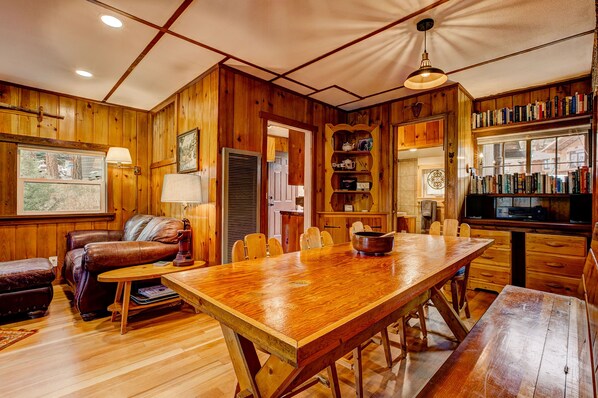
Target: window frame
{"points": [[21, 181], [528, 138]]}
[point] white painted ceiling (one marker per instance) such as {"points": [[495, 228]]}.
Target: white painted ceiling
{"points": [[347, 53]]}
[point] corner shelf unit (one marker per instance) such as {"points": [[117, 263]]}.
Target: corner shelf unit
{"points": [[352, 174]]}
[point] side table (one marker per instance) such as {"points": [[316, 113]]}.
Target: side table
{"points": [[126, 276]]}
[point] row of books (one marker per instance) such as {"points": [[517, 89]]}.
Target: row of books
{"points": [[570, 105], [577, 181]]}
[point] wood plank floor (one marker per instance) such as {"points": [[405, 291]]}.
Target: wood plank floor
{"points": [[176, 353]]}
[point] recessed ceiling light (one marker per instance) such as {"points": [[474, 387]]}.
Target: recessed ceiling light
{"points": [[413, 150], [111, 21], [83, 73]]}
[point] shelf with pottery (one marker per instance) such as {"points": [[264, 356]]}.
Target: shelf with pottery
{"points": [[352, 158]]}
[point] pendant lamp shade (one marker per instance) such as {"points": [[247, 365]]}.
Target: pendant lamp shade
{"points": [[426, 76]]}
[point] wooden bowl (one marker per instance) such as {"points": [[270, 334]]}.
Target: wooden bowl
{"points": [[372, 243]]}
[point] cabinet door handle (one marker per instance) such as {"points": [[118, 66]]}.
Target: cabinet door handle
{"points": [[555, 265], [555, 244], [487, 275], [376, 227], [487, 256], [330, 226], [554, 285]]}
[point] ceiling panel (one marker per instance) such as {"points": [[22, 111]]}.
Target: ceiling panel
{"points": [[249, 69], [43, 42], [333, 96], [529, 69], [466, 32], [280, 35], [156, 12], [170, 65], [293, 86]]}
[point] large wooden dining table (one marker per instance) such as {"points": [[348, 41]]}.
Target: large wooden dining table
{"points": [[309, 308]]}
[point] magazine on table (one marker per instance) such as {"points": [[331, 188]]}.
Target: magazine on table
{"points": [[152, 292]]}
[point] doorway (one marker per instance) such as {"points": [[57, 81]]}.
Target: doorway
{"points": [[289, 185]]}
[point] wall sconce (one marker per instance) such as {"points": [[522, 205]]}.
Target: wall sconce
{"points": [[121, 156], [185, 189]]}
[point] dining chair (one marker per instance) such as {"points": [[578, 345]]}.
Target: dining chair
{"points": [[458, 282], [312, 238], [274, 247], [238, 251], [255, 246], [358, 226]]}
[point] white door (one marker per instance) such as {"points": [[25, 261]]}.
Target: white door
{"points": [[281, 195]]}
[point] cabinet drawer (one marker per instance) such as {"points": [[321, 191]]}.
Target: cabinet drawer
{"points": [[502, 239], [490, 274], [556, 244], [496, 257], [552, 283], [570, 266]]}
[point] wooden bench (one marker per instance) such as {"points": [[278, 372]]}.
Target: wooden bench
{"points": [[528, 343]]}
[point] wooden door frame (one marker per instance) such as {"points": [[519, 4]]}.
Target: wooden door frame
{"points": [[395, 157], [271, 117]]}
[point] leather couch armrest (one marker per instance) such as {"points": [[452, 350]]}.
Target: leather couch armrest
{"points": [[77, 239], [104, 256]]}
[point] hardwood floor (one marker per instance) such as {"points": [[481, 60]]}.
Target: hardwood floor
{"points": [[172, 352]]}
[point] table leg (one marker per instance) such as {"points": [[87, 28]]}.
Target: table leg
{"points": [[124, 313], [449, 315], [117, 301], [271, 380]]}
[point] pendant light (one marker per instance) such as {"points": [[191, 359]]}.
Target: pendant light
{"points": [[426, 76]]}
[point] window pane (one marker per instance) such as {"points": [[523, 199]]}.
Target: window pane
{"points": [[488, 171], [490, 155], [564, 168], [572, 149], [38, 163], [515, 157], [57, 197]]}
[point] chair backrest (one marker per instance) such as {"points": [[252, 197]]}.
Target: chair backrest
{"points": [[303, 244], [435, 228], [326, 238], [358, 226], [274, 247], [464, 230], [313, 238], [238, 252], [450, 227], [255, 246]]}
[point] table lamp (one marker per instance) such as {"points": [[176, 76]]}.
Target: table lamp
{"points": [[185, 189]]}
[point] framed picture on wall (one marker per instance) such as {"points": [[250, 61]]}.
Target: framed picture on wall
{"points": [[187, 150]]}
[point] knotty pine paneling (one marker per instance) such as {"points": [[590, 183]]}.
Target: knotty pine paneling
{"points": [[86, 122]]}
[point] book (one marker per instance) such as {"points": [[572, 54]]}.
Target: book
{"points": [[155, 291]]}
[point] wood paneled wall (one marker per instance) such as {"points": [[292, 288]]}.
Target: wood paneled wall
{"points": [[226, 106], [450, 103], [84, 121]]}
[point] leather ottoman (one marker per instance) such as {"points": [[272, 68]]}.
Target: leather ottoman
{"points": [[26, 286]]}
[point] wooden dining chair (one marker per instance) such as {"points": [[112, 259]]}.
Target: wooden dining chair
{"points": [[358, 226], [326, 239], [255, 246], [312, 238], [458, 282], [238, 251], [274, 247]]}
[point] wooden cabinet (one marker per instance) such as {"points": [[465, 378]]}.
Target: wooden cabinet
{"points": [[351, 167], [338, 224], [421, 135], [492, 270], [554, 263], [292, 228]]}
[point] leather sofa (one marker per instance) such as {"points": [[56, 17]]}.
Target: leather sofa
{"points": [[145, 239]]}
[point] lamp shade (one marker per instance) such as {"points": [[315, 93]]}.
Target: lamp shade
{"points": [[118, 155], [426, 76], [181, 188]]}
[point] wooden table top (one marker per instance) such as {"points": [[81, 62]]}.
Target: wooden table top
{"points": [[143, 272], [299, 302]]}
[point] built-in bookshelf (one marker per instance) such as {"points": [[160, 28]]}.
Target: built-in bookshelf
{"points": [[576, 104], [575, 182]]}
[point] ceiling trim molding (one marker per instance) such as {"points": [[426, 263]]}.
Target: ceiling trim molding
{"points": [[126, 14], [151, 44], [367, 36], [337, 87]]}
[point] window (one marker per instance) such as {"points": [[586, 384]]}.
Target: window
{"points": [[432, 182], [555, 154], [53, 181]]}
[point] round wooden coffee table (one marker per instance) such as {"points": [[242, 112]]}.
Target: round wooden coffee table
{"points": [[126, 276]]}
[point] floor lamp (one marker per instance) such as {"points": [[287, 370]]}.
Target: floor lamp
{"points": [[185, 189]]}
